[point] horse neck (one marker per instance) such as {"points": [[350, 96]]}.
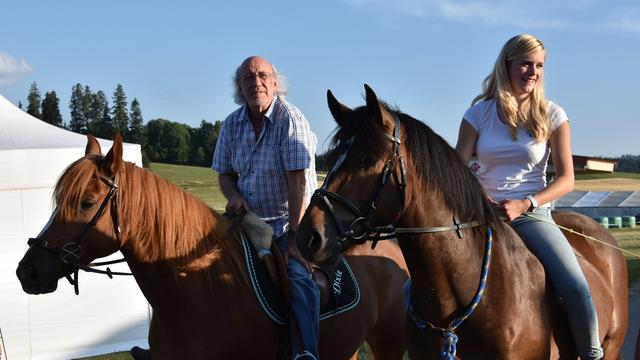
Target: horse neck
{"points": [[441, 263], [162, 224]]}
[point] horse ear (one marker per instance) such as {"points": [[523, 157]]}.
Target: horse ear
{"points": [[377, 110], [93, 146], [339, 112], [113, 160]]}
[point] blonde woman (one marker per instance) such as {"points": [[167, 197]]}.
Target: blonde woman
{"points": [[514, 129]]}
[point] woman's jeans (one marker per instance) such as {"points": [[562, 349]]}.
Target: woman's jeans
{"points": [[552, 248], [305, 306]]}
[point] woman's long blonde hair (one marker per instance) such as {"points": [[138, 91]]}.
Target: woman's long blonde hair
{"points": [[532, 113]]}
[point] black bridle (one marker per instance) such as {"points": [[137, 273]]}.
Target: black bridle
{"points": [[69, 253], [360, 230]]}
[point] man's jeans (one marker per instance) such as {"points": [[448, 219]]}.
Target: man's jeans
{"points": [[552, 248], [305, 305]]}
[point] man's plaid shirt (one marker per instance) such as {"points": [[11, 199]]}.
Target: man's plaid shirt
{"points": [[286, 143]]}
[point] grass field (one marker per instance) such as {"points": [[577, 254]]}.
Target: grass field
{"points": [[203, 183]]}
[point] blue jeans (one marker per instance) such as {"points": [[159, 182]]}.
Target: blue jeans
{"points": [[552, 248], [305, 305]]}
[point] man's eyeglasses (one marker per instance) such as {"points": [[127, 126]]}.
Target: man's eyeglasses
{"points": [[252, 76]]}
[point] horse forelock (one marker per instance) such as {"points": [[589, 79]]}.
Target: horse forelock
{"points": [[367, 136], [73, 184]]}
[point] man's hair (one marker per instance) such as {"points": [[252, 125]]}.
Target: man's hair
{"points": [[237, 94], [533, 113]]}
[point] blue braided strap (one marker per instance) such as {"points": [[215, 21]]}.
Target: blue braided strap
{"points": [[406, 290], [449, 348], [486, 261]]}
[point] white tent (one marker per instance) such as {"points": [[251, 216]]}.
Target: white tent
{"points": [[110, 314]]}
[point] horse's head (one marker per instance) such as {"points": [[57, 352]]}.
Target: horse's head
{"points": [[364, 191], [84, 224]]}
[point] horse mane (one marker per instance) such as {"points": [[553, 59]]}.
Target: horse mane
{"points": [[437, 165], [159, 221]]}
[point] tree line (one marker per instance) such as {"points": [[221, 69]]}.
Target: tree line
{"points": [[161, 140]]}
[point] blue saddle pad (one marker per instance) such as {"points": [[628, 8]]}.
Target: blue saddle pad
{"points": [[345, 293]]}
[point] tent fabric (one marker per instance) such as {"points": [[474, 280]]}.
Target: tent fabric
{"points": [[110, 314]]}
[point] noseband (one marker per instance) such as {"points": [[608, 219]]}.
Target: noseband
{"points": [[69, 253]]}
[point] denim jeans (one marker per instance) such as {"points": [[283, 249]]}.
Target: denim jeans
{"points": [[305, 306], [552, 248]]}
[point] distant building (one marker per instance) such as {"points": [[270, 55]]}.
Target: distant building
{"points": [[586, 165]]}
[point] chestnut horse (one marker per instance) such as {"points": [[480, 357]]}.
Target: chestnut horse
{"points": [[392, 174], [191, 271]]}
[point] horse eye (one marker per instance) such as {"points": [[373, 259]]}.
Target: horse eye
{"points": [[86, 204], [368, 162]]}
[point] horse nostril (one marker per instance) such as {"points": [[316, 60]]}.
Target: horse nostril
{"points": [[27, 272]]}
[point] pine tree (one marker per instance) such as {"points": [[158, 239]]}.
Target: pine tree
{"points": [[78, 121], [98, 120], [34, 100], [51, 109], [136, 132], [119, 114], [87, 100]]}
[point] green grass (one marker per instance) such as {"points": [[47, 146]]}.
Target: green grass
{"points": [[629, 239], [200, 181]]}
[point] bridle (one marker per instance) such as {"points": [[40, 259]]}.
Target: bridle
{"points": [[360, 229], [69, 253]]}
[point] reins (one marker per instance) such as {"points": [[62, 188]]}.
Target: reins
{"points": [[569, 230]]}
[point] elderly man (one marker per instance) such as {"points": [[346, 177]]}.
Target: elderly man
{"points": [[265, 158]]}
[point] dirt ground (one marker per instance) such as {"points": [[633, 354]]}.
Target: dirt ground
{"points": [[615, 184]]}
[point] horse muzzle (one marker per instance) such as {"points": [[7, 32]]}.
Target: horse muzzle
{"points": [[39, 277]]}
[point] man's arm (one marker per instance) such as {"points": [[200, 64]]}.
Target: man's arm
{"points": [[235, 201], [297, 182]]}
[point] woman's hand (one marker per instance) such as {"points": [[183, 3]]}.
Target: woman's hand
{"points": [[513, 208]]}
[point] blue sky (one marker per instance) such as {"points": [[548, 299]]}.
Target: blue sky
{"points": [[428, 57]]}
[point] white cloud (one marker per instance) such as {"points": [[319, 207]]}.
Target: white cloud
{"points": [[12, 69], [525, 14], [627, 21]]}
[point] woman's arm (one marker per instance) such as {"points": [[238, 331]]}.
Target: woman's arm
{"points": [[467, 138], [563, 183], [560, 143]]}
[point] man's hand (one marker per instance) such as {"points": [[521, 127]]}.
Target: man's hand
{"points": [[236, 205]]}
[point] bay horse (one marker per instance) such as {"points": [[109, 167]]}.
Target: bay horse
{"points": [[191, 270], [485, 299]]}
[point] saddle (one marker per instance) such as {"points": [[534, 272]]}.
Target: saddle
{"points": [[338, 287]]}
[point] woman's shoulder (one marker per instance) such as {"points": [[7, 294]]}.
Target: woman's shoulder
{"points": [[557, 115], [479, 112]]}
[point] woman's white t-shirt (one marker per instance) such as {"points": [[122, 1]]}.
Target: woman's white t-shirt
{"points": [[509, 169]]}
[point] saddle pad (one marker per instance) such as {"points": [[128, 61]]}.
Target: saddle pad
{"points": [[345, 293]]}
